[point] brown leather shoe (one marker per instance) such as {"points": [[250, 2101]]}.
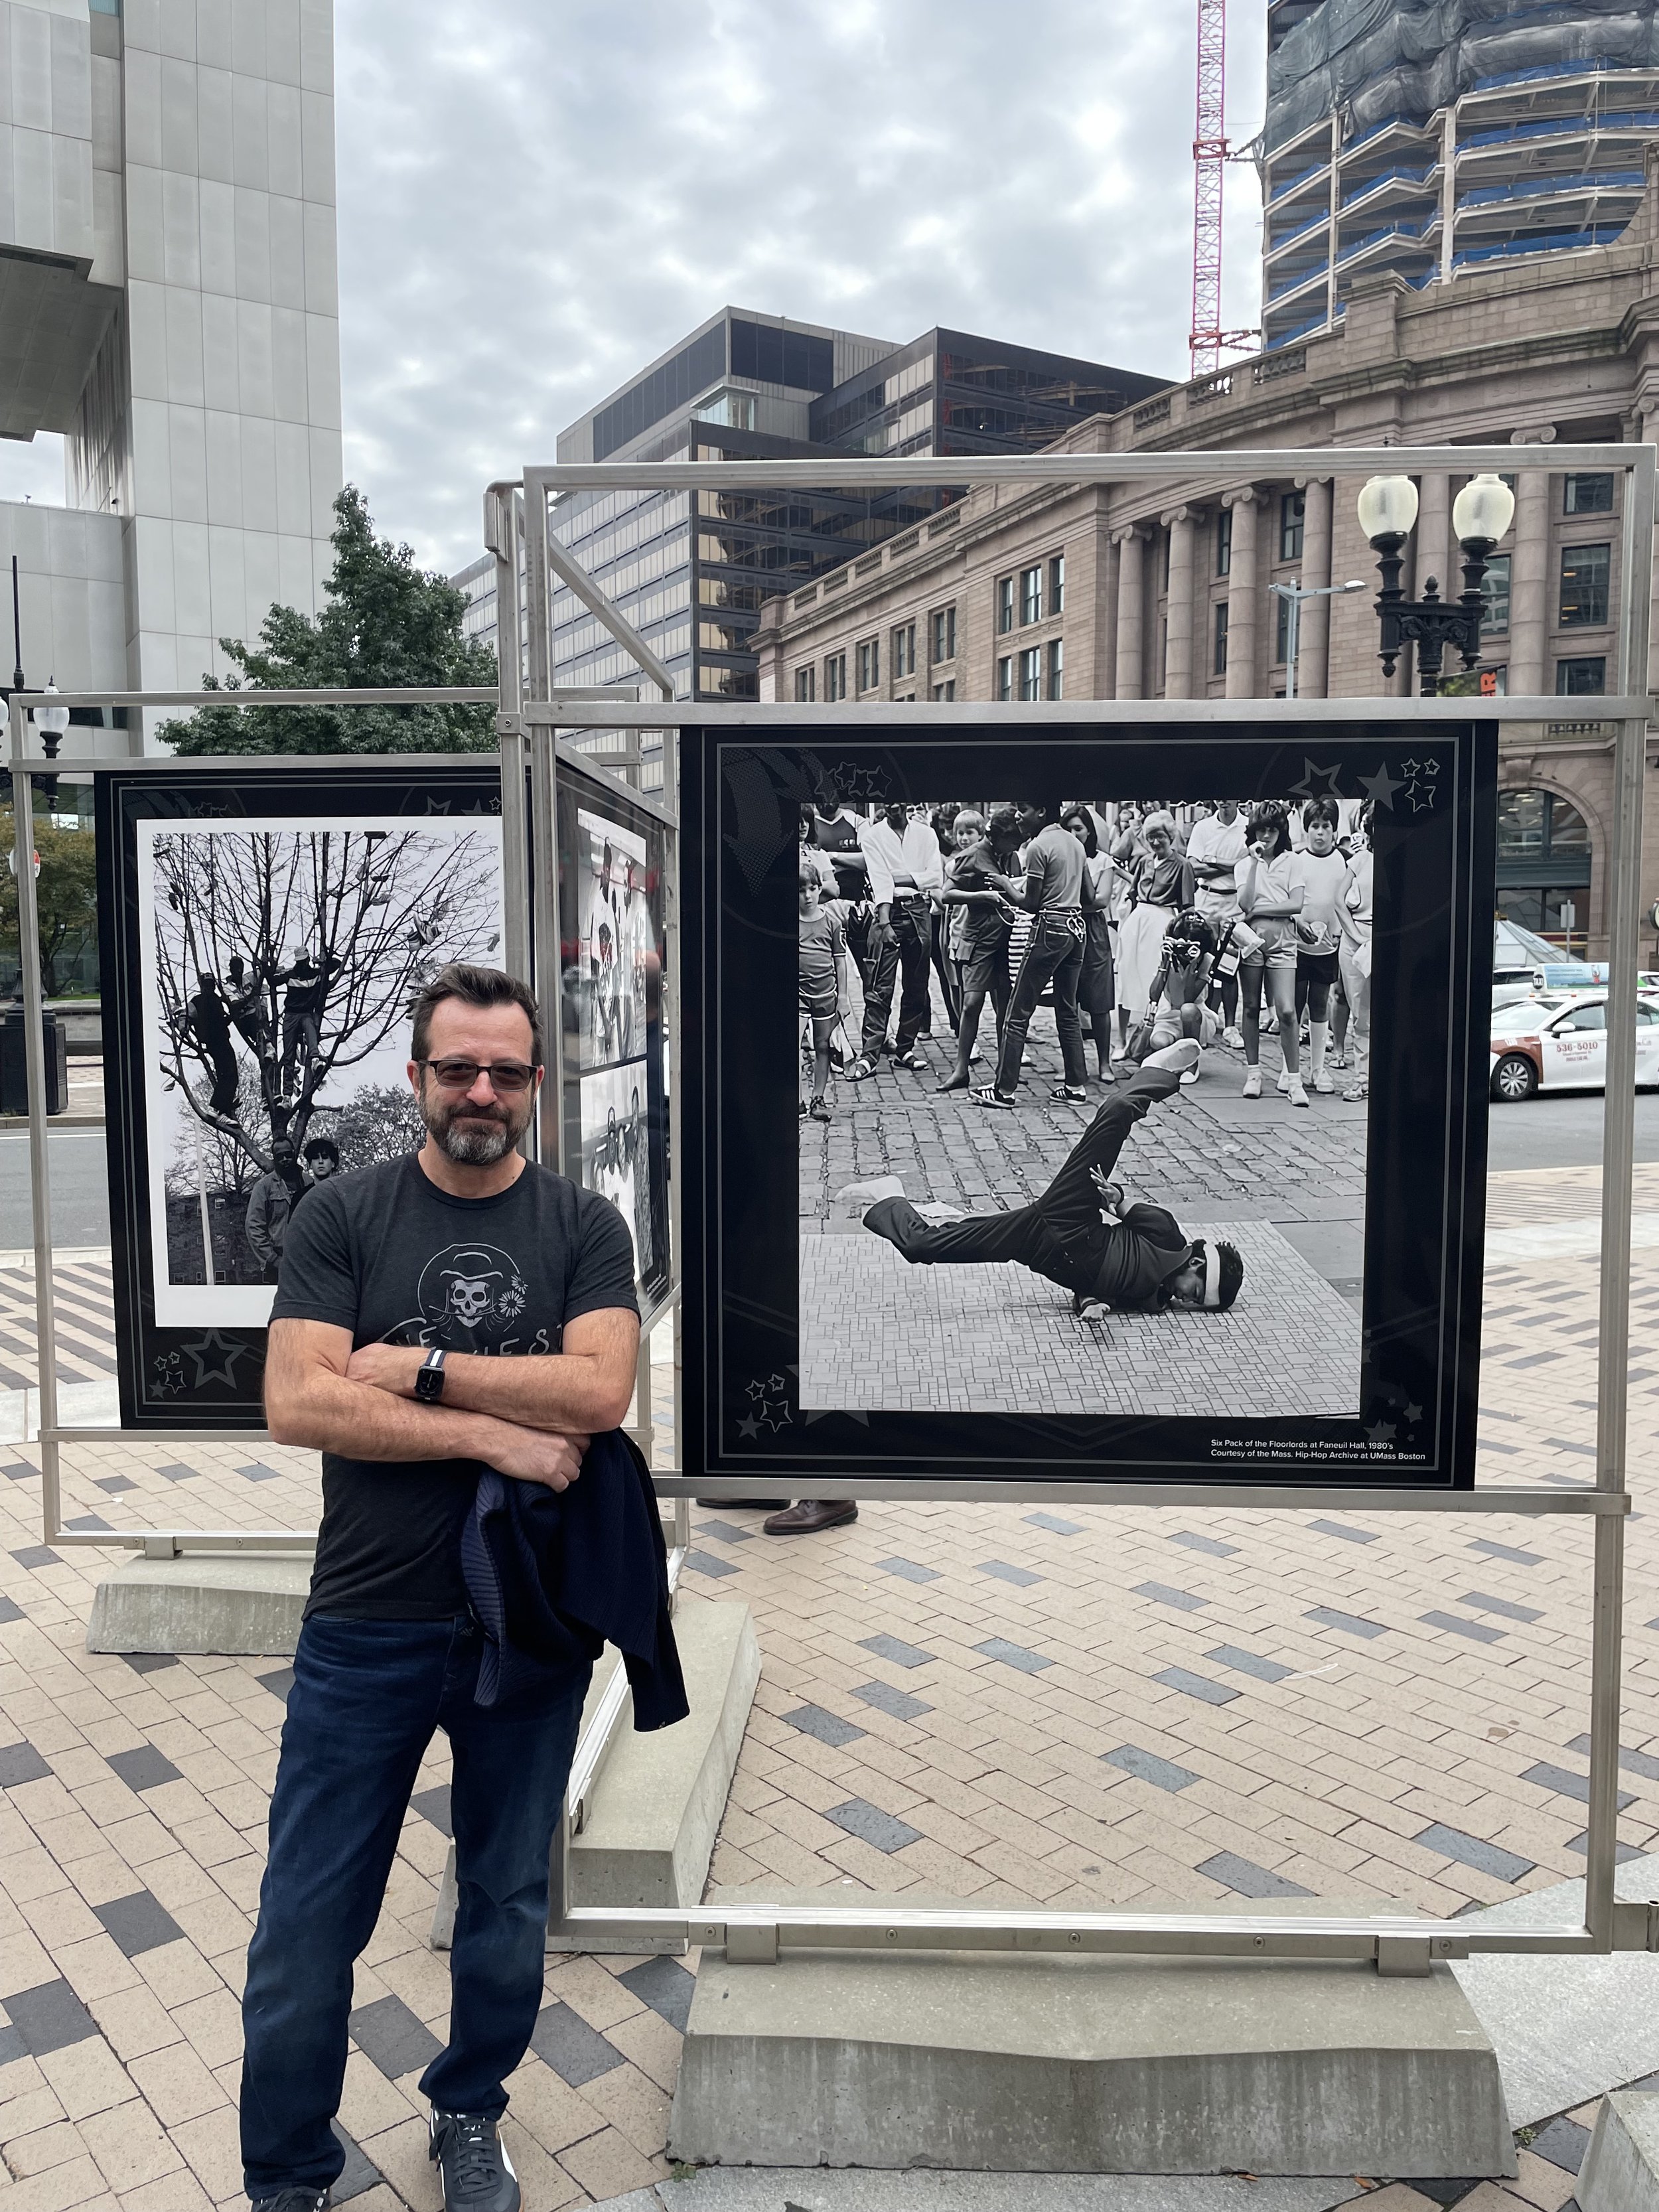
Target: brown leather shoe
{"points": [[811, 1514]]}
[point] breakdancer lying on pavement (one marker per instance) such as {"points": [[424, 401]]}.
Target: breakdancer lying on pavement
{"points": [[1080, 1234]]}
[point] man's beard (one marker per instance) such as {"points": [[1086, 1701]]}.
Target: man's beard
{"points": [[477, 1136]]}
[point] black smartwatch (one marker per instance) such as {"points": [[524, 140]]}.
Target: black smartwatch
{"points": [[429, 1377]]}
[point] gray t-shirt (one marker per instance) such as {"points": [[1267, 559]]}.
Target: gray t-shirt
{"points": [[384, 1253], [1054, 863]]}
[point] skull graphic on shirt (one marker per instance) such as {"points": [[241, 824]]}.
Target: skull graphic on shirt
{"points": [[471, 1296]]}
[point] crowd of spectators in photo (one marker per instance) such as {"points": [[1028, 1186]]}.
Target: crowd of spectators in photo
{"points": [[1140, 923]]}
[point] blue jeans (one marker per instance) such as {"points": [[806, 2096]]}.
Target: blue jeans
{"points": [[367, 1696]]}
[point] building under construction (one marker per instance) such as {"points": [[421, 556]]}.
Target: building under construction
{"points": [[1432, 136]]}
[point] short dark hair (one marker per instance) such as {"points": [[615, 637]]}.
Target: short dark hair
{"points": [[320, 1145], [1323, 809], [1268, 816], [475, 987], [1230, 1262]]}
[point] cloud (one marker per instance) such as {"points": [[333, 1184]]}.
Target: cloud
{"points": [[534, 200]]}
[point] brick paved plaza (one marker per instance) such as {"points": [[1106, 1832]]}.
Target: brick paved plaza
{"points": [[1087, 1703]]}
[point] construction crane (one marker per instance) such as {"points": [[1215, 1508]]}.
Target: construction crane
{"points": [[1211, 155]]}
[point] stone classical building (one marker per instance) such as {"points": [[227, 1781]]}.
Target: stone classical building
{"points": [[169, 301], [1143, 592]]}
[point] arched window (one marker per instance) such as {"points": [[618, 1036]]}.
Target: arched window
{"points": [[1544, 864]]}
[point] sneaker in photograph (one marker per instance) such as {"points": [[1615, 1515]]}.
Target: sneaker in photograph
{"points": [[1353, 1093], [1188, 1078], [1285, 1078], [1324, 1086], [1252, 1085], [471, 2159], [1298, 1094], [1337, 1059], [1235, 1037]]}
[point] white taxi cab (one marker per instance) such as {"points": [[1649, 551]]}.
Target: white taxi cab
{"points": [[1558, 1040]]}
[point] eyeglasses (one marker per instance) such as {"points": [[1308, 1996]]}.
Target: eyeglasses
{"points": [[506, 1076]]}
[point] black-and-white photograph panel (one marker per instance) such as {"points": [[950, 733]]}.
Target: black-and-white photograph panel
{"points": [[278, 962], [613, 852], [615, 1160], [1113, 1062], [261, 937], [1139, 1103]]}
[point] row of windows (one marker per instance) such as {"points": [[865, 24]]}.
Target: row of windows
{"points": [[901, 647], [1037, 672], [1031, 595], [1586, 593]]}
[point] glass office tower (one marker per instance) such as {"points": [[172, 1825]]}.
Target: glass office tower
{"points": [[757, 388]]}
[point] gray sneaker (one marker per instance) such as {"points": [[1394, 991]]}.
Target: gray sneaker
{"points": [[478, 2173], [292, 2200]]}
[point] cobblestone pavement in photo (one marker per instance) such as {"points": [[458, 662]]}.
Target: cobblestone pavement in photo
{"points": [[1093, 1704], [880, 1334]]}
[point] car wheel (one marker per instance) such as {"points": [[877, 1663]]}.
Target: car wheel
{"points": [[1514, 1078]]}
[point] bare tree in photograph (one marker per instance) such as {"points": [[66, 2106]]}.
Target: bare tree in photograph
{"points": [[300, 952]]}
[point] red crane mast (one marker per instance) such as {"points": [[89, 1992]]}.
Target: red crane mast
{"points": [[1210, 153]]}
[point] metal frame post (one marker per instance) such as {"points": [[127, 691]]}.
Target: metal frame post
{"points": [[34, 1062]]}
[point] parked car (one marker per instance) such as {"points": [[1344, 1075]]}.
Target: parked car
{"points": [[1558, 1040], [1520, 957]]}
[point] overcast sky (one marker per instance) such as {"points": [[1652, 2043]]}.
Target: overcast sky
{"points": [[536, 200]]}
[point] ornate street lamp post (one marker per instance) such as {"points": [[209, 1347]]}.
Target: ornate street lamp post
{"points": [[1481, 516]]}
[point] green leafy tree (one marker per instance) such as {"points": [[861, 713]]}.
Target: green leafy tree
{"points": [[66, 894], [386, 623]]}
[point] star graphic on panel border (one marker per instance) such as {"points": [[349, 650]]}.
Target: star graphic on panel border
{"points": [[1421, 796], [1318, 782], [1381, 787], [1430, 768], [755, 1392], [1414, 1413], [749, 1427], [216, 1359], [439, 805], [1383, 1434]]}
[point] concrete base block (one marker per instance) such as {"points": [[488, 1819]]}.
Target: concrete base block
{"points": [[245, 1604], [652, 1820], [1109, 2065], [1621, 2169]]}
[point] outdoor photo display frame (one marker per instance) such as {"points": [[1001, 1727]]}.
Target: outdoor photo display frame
{"points": [[747, 1416], [613, 1062], [407, 873]]}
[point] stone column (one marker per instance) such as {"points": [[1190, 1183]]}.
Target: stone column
{"points": [[1105, 642], [1178, 650], [1529, 575], [1434, 556], [1131, 612], [1313, 672], [1243, 593]]}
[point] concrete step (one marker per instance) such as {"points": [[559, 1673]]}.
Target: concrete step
{"points": [[1621, 2167], [998, 2063], [242, 1604]]}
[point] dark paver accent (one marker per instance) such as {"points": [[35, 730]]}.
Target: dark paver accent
{"points": [[1622, 1854], [1566, 1784], [176, 1471], [1351, 1624], [88, 1523], [827, 1727], [1013, 1655], [1341, 1529], [1196, 1686], [1476, 1631], [50, 2017], [1506, 1552], [138, 1923], [897, 1704], [1633, 1762], [432, 1805], [1161, 1594], [9, 1611], [114, 1484], [148, 1662], [1248, 1879], [1147, 1767], [37, 1555], [724, 1532], [1208, 1544], [1472, 1851], [665, 1985], [907, 1570], [1500, 1606], [1564, 2142], [394, 2038], [20, 1763], [358, 2175], [872, 1826], [1249, 1662], [1055, 1527], [707, 1564], [576, 2052], [894, 1649], [1021, 1577], [144, 1768], [279, 1682], [256, 1471]]}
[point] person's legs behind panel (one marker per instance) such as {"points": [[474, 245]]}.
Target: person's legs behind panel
{"points": [[1068, 1024], [912, 927]]}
